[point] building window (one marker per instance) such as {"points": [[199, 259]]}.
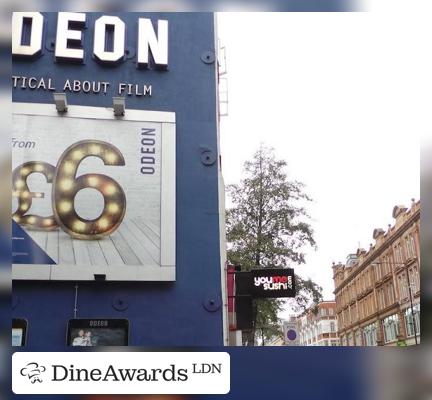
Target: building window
{"points": [[398, 253], [370, 334], [390, 294], [378, 271], [410, 246], [357, 338], [391, 328], [413, 245], [332, 327], [403, 286], [381, 298], [385, 266], [410, 320], [414, 280], [331, 311]]}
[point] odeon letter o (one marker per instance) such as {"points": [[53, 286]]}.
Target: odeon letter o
{"points": [[34, 20]]}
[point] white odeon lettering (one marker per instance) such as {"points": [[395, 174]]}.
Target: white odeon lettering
{"points": [[67, 36], [147, 40], [33, 21], [27, 38], [102, 24]]}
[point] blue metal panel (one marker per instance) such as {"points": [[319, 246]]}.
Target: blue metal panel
{"points": [[165, 314]]}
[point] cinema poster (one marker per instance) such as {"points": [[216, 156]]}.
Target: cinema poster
{"points": [[93, 194]]}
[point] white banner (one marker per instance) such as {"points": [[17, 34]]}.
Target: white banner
{"points": [[120, 373]]}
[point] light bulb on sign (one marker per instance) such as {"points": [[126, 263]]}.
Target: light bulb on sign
{"points": [[25, 196], [67, 185]]}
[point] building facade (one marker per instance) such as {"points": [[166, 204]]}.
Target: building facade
{"points": [[149, 271], [378, 291], [319, 327]]}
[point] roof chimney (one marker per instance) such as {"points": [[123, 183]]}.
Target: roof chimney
{"points": [[398, 210]]}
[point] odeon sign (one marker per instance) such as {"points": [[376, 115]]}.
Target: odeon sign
{"points": [[109, 44]]}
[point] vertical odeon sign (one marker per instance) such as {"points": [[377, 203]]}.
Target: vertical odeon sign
{"points": [[108, 180]]}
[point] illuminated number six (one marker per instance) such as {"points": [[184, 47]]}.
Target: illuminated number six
{"points": [[66, 186], [25, 197]]}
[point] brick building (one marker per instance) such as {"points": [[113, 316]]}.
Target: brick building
{"points": [[319, 327], [378, 291]]}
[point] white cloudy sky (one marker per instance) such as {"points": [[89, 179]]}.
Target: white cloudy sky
{"points": [[344, 98]]}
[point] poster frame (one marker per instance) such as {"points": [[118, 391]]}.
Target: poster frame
{"points": [[167, 269]]}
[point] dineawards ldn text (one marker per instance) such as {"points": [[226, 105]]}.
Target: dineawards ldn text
{"points": [[113, 374]]}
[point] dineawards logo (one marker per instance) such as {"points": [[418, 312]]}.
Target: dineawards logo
{"points": [[61, 373], [121, 373], [276, 282], [33, 372]]}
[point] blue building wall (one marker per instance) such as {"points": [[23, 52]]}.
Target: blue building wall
{"points": [[160, 313]]}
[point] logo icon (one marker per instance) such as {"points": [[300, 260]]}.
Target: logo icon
{"points": [[33, 371]]}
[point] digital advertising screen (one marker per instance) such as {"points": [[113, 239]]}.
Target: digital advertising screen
{"points": [[100, 332]]}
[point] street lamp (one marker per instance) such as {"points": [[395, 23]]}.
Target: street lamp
{"points": [[410, 297]]}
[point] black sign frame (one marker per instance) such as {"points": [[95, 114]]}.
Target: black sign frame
{"points": [[96, 326]]}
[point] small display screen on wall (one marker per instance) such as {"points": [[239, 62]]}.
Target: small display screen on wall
{"points": [[98, 332]]}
